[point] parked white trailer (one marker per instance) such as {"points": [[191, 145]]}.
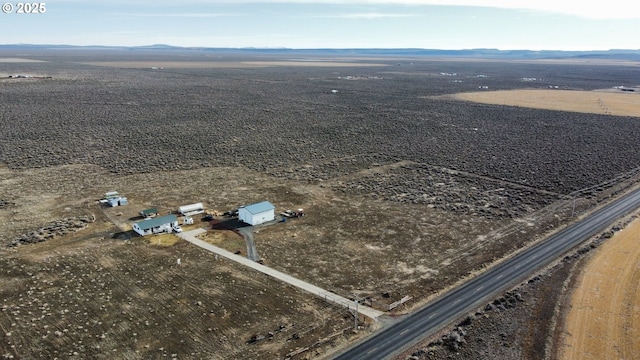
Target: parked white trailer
{"points": [[193, 209]]}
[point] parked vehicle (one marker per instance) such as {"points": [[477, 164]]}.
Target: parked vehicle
{"points": [[231, 213], [292, 214]]}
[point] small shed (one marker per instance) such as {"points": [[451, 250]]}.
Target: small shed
{"points": [[156, 225], [118, 201], [258, 213], [111, 194], [114, 199], [188, 210], [149, 213]]}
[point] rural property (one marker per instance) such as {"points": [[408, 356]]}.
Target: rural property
{"points": [[413, 174]]}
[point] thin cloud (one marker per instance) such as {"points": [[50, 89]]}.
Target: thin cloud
{"points": [[612, 9], [183, 15], [366, 16]]}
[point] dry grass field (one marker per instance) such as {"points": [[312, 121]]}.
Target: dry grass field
{"points": [[405, 194], [602, 321], [595, 102]]}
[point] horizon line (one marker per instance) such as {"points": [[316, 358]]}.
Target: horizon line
{"points": [[310, 48]]}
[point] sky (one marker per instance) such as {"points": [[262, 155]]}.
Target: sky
{"points": [[302, 24]]}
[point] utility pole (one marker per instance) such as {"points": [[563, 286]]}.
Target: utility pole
{"points": [[355, 321], [355, 324]]}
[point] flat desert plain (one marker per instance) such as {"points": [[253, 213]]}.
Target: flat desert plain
{"points": [[405, 194], [226, 64]]}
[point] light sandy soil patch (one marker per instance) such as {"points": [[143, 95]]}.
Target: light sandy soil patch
{"points": [[18, 60], [603, 320], [596, 102], [573, 61], [224, 64]]}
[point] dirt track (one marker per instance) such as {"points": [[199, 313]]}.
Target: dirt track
{"points": [[602, 321]]}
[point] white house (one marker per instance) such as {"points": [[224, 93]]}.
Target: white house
{"points": [[255, 214], [188, 210], [156, 225]]}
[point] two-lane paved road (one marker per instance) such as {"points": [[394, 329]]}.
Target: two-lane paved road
{"points": [[472, 294]]}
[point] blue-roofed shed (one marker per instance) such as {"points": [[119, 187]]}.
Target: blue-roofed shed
{"points": [[257, 213]]}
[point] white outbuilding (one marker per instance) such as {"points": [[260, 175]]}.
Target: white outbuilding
{"points": [[156, 225], [189, 210], [114, 199], [258, 213]]}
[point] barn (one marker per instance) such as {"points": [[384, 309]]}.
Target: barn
{"points": [[258, 213], [156, 225]]}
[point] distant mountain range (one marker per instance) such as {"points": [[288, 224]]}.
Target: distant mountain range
{"points": [[620, 54]]}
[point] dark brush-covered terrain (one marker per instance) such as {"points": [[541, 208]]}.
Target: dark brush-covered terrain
{"points": [[279, 117], [406, 192]]}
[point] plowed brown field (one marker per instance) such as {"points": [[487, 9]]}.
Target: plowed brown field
{"points": [[603, 321], [596, 102]]}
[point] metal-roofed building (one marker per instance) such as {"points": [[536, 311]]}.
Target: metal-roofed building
{"points": [[258, 213], [111, 194], [156, 225], [149, 213], [114, 199]]}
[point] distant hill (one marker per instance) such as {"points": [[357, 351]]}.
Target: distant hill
{"points": [[620, 54]]}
